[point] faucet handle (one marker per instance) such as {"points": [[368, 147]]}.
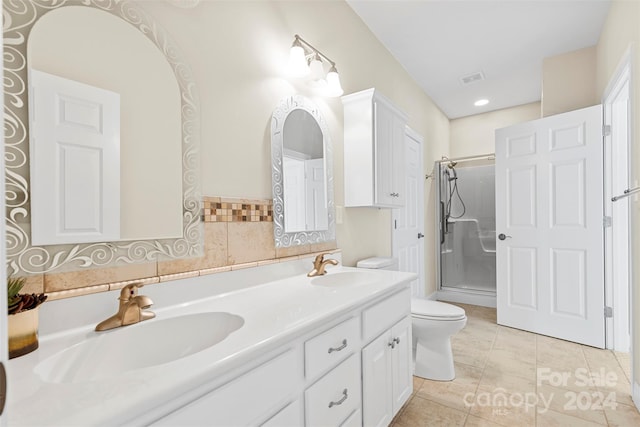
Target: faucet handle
{"points": [[320, 257], [130, 291]]}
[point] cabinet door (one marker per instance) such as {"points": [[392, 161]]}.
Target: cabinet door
{"points": [[377, 405], [383, 144], [398, 161], [401, 363]]}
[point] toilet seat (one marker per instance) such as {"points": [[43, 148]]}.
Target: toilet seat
{"points": [[435, 310]]}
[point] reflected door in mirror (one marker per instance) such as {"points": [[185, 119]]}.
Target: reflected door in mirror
{"points": [[305, 200]]}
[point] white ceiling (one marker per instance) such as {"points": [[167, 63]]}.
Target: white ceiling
{"points": [[440, 41]]}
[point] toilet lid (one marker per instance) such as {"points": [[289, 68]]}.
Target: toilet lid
{"points": [[435, 309]]}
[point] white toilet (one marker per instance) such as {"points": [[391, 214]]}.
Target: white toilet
{"points": [[433, 323]]}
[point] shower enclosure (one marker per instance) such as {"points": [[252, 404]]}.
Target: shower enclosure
{"points": [[466, 225]]}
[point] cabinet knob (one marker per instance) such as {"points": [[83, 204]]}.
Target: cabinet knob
{"points": [[392, 344]]}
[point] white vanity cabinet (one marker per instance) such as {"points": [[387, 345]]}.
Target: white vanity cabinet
{"points": [[354, 371], [374, 132], [248, 399], [387, 380]]}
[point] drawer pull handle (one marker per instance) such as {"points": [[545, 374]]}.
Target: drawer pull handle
{"points": [[341, 401], [342, 347]]}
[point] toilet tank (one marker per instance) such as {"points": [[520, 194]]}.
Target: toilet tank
{"points": [[379, 263]]}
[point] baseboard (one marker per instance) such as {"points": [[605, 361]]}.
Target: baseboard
{"points": [[635, 395], [466, 298]]}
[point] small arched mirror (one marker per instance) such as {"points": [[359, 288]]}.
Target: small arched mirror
{"points": [[302, 173]]}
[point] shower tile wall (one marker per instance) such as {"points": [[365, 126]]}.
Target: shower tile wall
{"points": [[468, 254]]}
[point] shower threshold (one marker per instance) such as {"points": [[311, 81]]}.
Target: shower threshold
{"points": [[484, 297], [481, 288]]}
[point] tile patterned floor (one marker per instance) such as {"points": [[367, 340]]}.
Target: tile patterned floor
{"points": [[508, 377]]}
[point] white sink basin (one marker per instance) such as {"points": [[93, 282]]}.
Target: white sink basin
{"points": [[146, 344], [344, 278]]}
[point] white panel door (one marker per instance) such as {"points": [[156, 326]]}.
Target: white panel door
{"points": [[408, 221], [294, 194], [549, 213], [317, 213], [75, 161]]}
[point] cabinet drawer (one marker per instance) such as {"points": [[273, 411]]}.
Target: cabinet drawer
{"points": [[376, 319], [335, 396], [264, 388], [331, 347]]}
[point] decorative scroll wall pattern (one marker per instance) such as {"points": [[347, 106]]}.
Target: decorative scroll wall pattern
{"points": [[282, 238], [19, 17]]}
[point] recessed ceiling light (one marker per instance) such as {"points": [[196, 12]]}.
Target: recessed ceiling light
{"points": [[481, 102]]}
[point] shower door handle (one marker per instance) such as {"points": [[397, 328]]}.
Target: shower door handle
{"points": [[503, 236]]}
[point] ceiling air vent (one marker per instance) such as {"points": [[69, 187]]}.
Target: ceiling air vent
{"points": [[472, 78]]}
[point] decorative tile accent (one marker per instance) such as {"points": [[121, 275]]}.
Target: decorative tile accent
{"points": [[68, 293], [215, 209], [238, 233]]}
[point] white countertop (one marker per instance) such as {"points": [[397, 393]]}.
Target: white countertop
{"points": [[274, 313]]}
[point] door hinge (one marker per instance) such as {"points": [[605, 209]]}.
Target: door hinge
{"points": [[608, 311], [606, 130], [606, 222], [395, 224]]}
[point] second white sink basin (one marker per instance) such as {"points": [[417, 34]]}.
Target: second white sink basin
{"points": [[344, 278], [146, 344]]}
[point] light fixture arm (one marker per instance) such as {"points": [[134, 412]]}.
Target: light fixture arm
{"points": [[313, 50]]}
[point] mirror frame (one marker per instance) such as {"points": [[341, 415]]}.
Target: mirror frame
{"points": [[282, 238], [22, 257]]}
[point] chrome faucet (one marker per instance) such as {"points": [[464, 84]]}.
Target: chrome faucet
{"points": [[319, 265], [131, 309]]}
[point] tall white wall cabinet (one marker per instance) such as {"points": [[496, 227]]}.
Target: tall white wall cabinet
{"points": [[374, 132]]}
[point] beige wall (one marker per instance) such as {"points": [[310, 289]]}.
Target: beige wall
{"points": [[238, 50], [474, 135], [621, 34], [568, 81]]}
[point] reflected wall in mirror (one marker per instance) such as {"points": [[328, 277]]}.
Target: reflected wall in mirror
{"points": [[113, 46], [302, 174]]}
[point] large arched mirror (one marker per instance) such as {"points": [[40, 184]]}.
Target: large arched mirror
{"points": [[117, 48], [302, 174]]}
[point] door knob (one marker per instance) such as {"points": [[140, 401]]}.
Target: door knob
{"points": [[503, 236], [420, 235]]}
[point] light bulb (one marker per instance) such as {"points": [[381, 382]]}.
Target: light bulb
{"points": [[317, 73], [298, 66], [334, 88]]}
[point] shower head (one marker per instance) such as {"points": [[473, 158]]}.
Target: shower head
{"points": [[452, 164]]}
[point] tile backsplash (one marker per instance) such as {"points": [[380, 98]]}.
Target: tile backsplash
{"points": [[238, 233]]}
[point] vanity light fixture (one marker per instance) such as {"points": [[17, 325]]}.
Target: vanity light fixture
{"points": [[305, 60]]}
